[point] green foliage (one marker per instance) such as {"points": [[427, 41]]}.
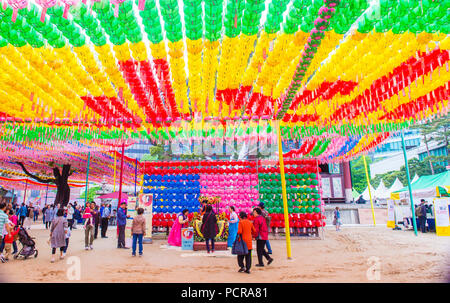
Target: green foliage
{"points": [[92, 193], [437, 130], [358, 172], [421, 168]]}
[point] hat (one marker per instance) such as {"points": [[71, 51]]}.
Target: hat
{"points": [[261, 204], [423, 200]]}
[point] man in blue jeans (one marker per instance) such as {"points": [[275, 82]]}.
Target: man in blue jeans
{"points": [[268, 218], [121, 223]]}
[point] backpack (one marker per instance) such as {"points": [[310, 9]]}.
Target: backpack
{"points": [[417, 211]]}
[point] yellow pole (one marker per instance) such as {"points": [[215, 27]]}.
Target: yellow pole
{"points": [[115, 157], [283, 187], [370, 194]]}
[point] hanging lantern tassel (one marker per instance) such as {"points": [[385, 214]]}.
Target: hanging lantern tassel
{"points": [[16, 5], [141, 5]]}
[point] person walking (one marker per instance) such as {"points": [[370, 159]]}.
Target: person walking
{"points": [[43, 213], [9, 240], [88, 228], [49, 215], [96, 215], [67, 237], [76, 216], [268, 219], [57, 234], [105, 214], [138, 231], [337, 218], [121, 223], [232, 226], [22, 213], [245, 230], [209, 227], [35, 213], [13, 219], [422, 214], [261, 236], [70, 212], [4, 226], [113, 221], [28, 218], [175, 233]]}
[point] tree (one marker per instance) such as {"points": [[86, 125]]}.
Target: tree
{"points": [[358, 173], [61, 178], [437, 130], [92, 193], [415, 167]]}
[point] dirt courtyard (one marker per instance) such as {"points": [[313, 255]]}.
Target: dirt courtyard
{"points": [[355, 254]]}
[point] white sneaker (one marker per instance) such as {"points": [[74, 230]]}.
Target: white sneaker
{"points": [[91, 247], [52, 260], [86, 248]]}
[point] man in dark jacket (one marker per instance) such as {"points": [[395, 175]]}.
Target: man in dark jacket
{"points": [[121, 223], [97, 218], [423, 215]]}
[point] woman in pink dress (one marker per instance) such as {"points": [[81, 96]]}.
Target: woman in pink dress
{"points": [[175, 232]]}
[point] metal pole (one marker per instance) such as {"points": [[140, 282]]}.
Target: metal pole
{"points": [[370, 193], [283, 187], [87, 178], [25, 193], [46, 194], [115, 165], [135, 179], [409, 183], [121, 174]]}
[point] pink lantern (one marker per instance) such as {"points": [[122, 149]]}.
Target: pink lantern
{"points": [[45, 4], [116, 6], [16, 5], [67, 5]]}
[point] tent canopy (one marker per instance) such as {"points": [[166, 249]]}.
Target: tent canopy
{"points": [[431, 181], [382, 192], [365, 193], [355, 194], [397, 185]]}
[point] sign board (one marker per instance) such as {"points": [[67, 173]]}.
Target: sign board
{"points": [[390, 213], [146, 202], [131, 211], [187, 238], [441, 216]]}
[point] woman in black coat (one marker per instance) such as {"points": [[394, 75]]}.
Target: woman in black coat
{"points": [[209, 227]]}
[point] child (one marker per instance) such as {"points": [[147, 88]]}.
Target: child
{"points": [[67, 236], [13, 219], [9, 239], [138, 231]]}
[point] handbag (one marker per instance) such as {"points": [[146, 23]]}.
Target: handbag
{"points": [[239, 247]]}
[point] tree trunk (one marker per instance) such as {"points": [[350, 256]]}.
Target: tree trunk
{"points": [[428, 153], [61, 181]]}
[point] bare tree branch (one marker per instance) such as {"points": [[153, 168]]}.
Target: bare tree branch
{"points": [[37, 178]]}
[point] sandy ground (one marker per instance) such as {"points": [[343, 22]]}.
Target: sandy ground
{"points": [[344, 256]]}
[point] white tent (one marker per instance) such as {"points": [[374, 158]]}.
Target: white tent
{"points": [[397, 185], [382, 192], [416, 177], [365, 193]]}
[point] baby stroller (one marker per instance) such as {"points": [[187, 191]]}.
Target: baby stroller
{"points": [[28, 245]]}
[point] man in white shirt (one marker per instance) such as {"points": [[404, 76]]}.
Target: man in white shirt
{"points": [[70, 212]]}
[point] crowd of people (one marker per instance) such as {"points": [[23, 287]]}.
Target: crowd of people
{"points": [[241, 226], [60, 221]]}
